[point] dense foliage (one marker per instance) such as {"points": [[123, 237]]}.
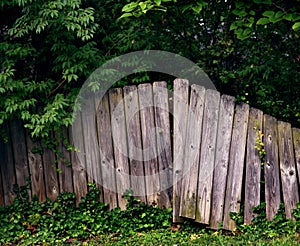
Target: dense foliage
{"points": [[48, 48], [60, 221]]}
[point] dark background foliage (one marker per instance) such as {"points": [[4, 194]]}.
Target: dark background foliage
{"points": [[250, 49]]}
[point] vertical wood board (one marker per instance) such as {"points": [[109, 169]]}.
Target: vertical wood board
{"points": [[180, 113], [163, 140], [7, 170], [120, 144], [135, 150], [65, 176], [19, 153], [236, 165], [296, 141], [78, 160], [106, 153], [222, 159], [50, 174], [192, 153], [91, 150], [289, 181], [36, 169], [271, 167], [149, 143], [207, 157], [253, 164]]}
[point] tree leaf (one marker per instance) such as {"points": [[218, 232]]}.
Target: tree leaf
{"points": [[239, 12], [158, 2], [143, 5], [233, 26], [129, 7], [125, 15], [269, 14], [263, 21], [296, 26]]}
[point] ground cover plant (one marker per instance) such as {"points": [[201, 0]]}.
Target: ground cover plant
{"points": [[91, 223]]}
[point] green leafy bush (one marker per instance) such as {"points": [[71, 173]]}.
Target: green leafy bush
{"points": [[60, 221], [261, 227]]}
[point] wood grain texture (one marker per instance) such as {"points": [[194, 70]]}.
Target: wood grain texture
{"points": [[91, 150], [271, 167], [20, 153], [149, 143], [236, 165], [7, 169], [36, 169], [120, 144], [50, 174], [296, 141], [253, 165], [207, 156], [135, 150], [163, 141], [289, 181], [78, 160], [222, 159], [65, 177], [180, 114], [106, 153], [192, 153], [1, 187]]}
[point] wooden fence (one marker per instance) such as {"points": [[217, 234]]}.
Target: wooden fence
{"points": [[202, 159]]}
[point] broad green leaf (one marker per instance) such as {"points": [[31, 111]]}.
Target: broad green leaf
{"points": [[197, 9], [296, 26], [279, 14], [239, 12], [252, 12], [129, 7], [288, 17], [233, 26], [125, 15], [158, 2], [239, 4], [263, 21], [143, 5], [269, 14]]}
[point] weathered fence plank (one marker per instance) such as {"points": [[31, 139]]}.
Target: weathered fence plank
{"points": [[36, 168], [253, 164], [236, 165], [7, 170], [19, 153], [222, 159], [120, 144], [271, 170], [65, 176], [180, 115], [1, 188], [163, 140], [287, 168], [135, 151], [106, 153], [207, 156], [91, 152], [192, 153], [296, 140], [50, 170], [149, 143], [78, 164]]}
